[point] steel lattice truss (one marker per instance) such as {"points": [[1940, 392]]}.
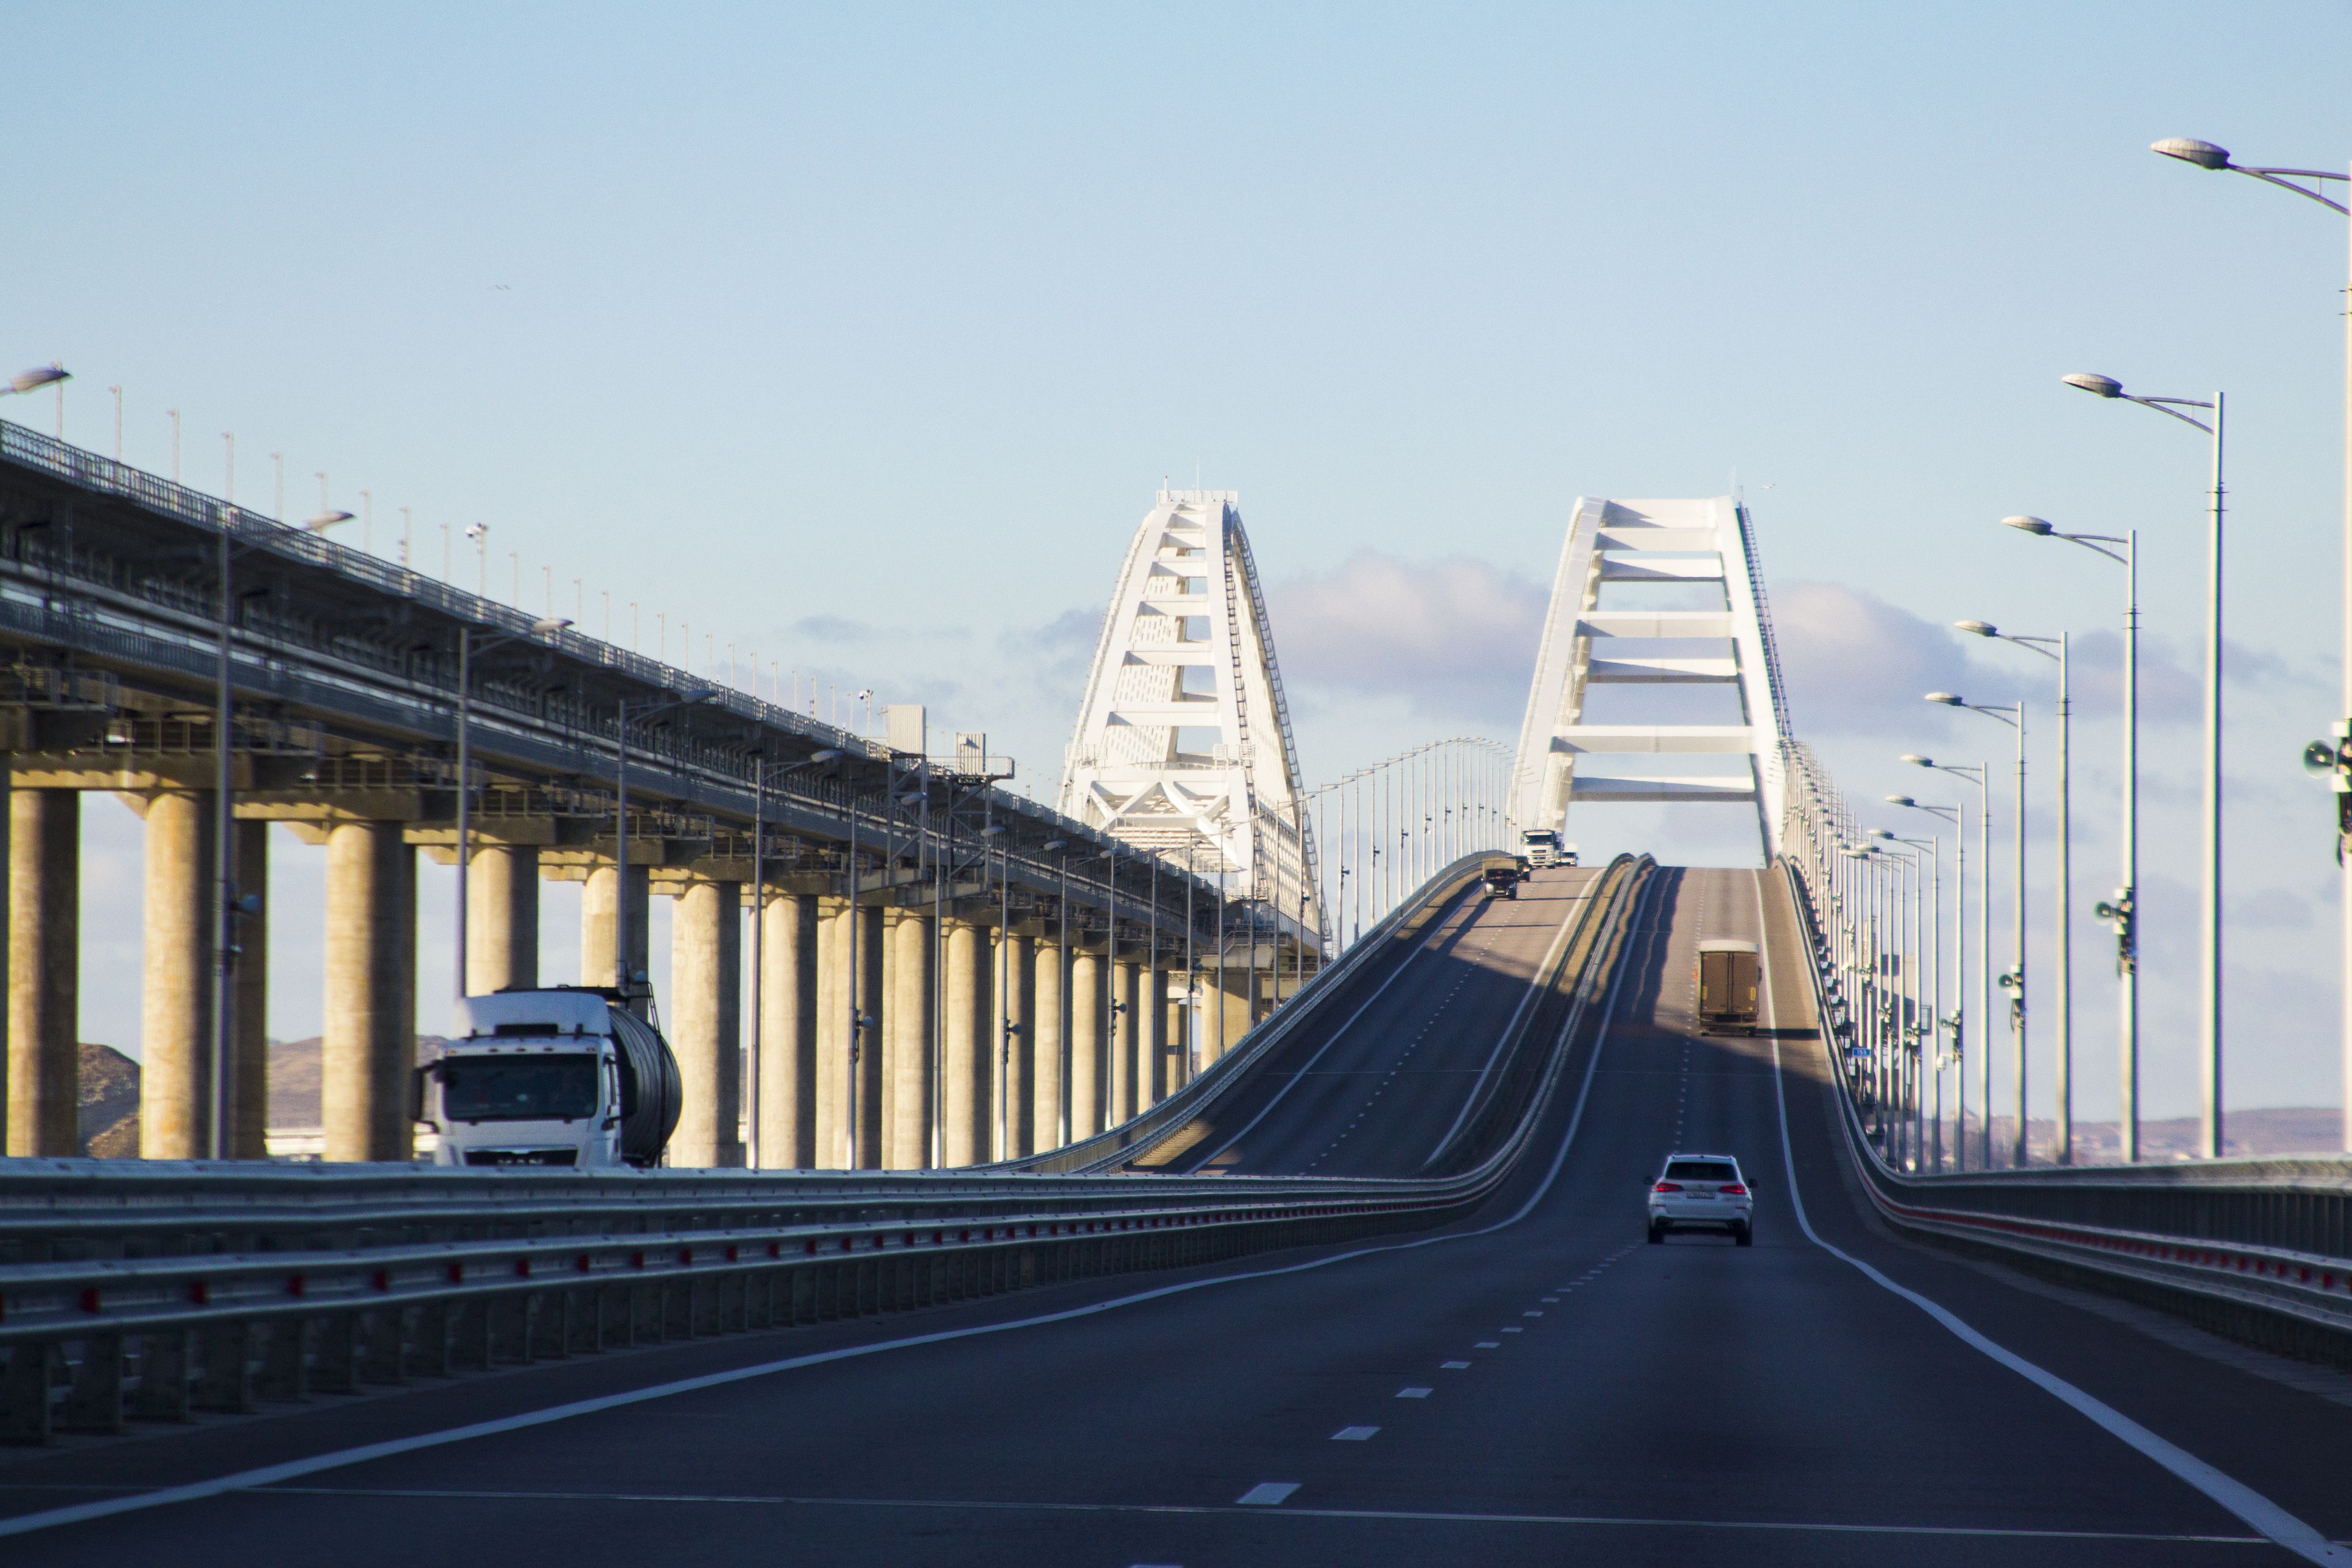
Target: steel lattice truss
{"points": [[1183, 745], [1685, 542]]}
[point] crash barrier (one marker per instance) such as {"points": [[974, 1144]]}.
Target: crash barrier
{"points": [[2259, 1249], [148, 1291]]}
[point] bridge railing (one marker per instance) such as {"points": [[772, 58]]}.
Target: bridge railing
{"points": [[132, 1291]]}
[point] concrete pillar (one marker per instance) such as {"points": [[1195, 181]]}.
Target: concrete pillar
{"points": [[968, 1049], [1089, 1011], [1154, 1079], [44, 972], [1016, 1015], [176, 1077], [706, 983], [370, 1048], [598, 900], [833, 1039], [1051, 1009], [874, 1005], [1130, 1069], [1179, 1036], [502, 920], [907, 1103], [789, 996], [249, 1115]]}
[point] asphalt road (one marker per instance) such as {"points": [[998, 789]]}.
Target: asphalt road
{"points": [[1536, 1386], [1383, 1074]]}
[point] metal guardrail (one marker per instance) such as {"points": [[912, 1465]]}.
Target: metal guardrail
{"points": [[133, 1290], [2258, 1249]]}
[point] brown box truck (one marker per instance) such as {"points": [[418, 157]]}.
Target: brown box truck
{"points": [[1727, 985]]}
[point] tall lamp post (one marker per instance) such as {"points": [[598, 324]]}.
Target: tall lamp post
{"points": [[2121, 911], [1958, 1019], [2014, 982], [622, 978], [467, 648], [2209, 963], [227, 902], [1977, 775], [2334, 759], [2063, 1150], [762, 775]]}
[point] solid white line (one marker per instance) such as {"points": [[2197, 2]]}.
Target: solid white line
{"points": [[294, 1470], [1267, 1494], [1355, 1433], [1535, 988], [1414, 1393], [2248, 1504], [444, 1494]]}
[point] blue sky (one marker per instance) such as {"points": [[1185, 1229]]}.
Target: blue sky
{"points": [[861, 335]]}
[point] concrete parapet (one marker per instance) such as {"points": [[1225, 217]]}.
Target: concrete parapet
{"points": [[370, 1044], [44, 971], [706, 968]]}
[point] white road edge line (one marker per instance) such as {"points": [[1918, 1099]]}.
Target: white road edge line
{"points": [[2264, 1516], [294, 1470], [1536, 987]]}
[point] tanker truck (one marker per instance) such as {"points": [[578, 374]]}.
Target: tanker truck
{"points": [[564, 1076]]}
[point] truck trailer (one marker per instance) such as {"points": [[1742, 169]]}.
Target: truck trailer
{"points": [[1727, 987], [565, 1075]]}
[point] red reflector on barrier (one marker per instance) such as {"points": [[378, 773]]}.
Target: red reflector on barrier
{"points": [[523, 1267], [582, 1263], [636, 1260], [199, 1292], [686, 1256], [732, 1253], [383, 1280], [90, 1299], [296, 1284], [456, 1273], [812, 1247]]}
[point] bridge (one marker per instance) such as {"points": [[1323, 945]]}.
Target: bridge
{"points": [[1369, 1281]]}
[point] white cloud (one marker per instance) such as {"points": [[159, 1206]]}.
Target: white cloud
{"points": [[1455, 637]]}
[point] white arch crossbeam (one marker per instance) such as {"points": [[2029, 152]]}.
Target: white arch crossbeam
{"points": [[1584, 645], [1182, 744]]}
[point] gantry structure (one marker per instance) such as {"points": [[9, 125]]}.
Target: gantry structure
{"points": [[1589, 642], [1183, 745]]}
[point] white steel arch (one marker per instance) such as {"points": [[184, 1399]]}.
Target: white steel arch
{"points": [[1688, 541], [1183, 745]]}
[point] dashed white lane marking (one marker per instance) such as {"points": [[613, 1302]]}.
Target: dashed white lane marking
{"points": [[1453, 1366], [1414, 1393], [1515, 1330], [1267, 1494], [1551, 1298], [1487, 1345], [1532, 1312], [1354, 1434]]}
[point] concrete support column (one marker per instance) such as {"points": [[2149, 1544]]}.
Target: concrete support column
{"points": [[248, 1112], [873, 1005], [967, 1041], [44, 972], [1089, 1011], [599, 898], [1129, 1068], [706, 982], [176, 1077], [789, 998], [1017, 1015], [370, 1046], [907, 1106], [1051, 1008], [832, 1087], [502, 920], [1155, 1079], [1180, 1022], [834, 1044]]}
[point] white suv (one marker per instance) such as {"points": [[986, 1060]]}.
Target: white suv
{"points": [[1702, 1192]]}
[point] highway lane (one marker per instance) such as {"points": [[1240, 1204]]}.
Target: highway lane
{"points": [[1536, 1386], [1383, 1075]]}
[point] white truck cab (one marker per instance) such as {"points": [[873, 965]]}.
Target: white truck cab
{"points": [[557, 1076], [1540, 846]]}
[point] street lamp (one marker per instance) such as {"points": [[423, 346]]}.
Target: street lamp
{"points": [[1958, 1020], [761, 776], [2063, 1150], [466, 648], [2014, 982], [622, 978], [226, 901], [2338, 761], [1976, 775], [2209, 922], [1061, 847], [2120, 910], [1928, 1046]]}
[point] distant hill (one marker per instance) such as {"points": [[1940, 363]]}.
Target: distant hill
{"points": [[108, 1120]]}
